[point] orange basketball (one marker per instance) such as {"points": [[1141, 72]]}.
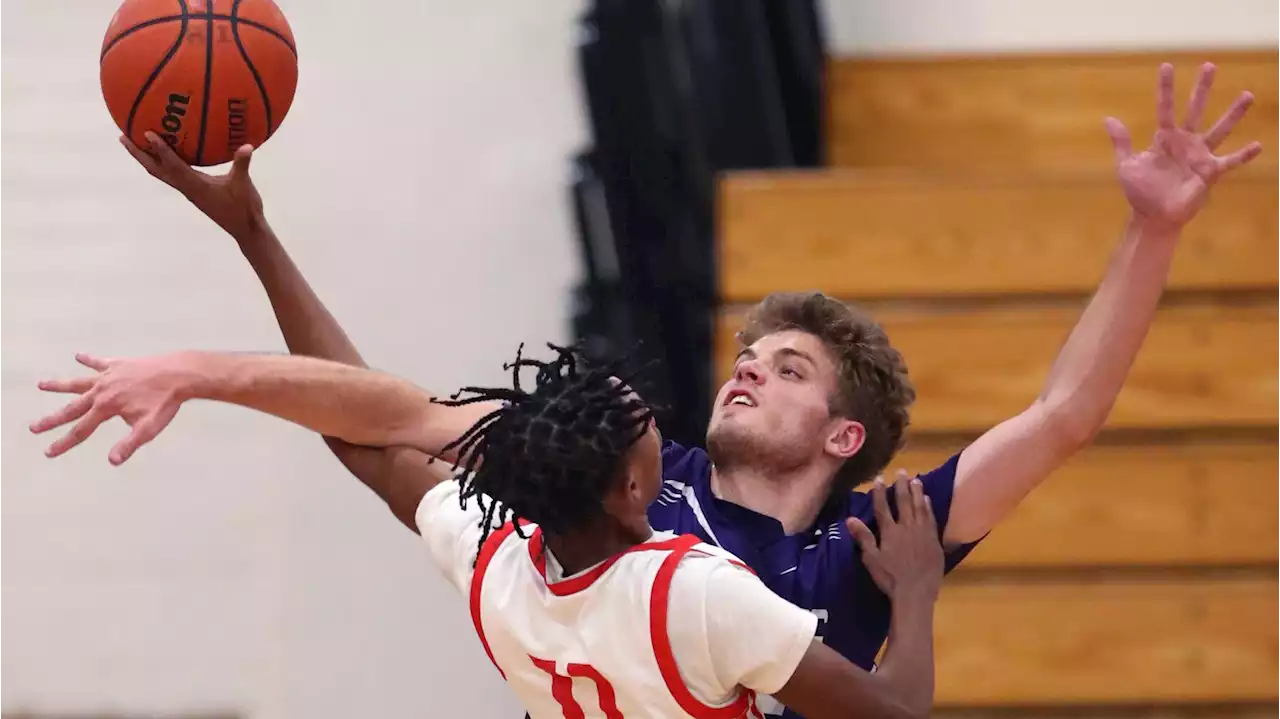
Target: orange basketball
{"points": [[206, 75]]}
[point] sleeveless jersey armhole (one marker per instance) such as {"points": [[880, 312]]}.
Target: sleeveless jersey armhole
{"points": [[659, 609], [487, 551]]}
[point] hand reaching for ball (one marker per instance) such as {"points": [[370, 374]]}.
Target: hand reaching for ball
{"points": [[229, 199]]}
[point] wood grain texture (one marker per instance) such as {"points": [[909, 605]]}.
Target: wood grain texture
{"points": [[1172, 504], [1205, 366], [891, 234], [1178, 640], [1026, 111]]}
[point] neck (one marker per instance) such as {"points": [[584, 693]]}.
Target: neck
{"points": [[577, 551], [792, 498]]}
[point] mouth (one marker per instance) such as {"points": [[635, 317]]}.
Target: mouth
{"points": [[739, 397]]}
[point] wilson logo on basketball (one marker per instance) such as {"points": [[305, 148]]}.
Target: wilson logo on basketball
{"points": [[237, 123], [171, 123]]}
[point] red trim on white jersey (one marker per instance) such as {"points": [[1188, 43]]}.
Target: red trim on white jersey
{"points": [[742, 706], [571, 585], [658, 610], [490, 547]]}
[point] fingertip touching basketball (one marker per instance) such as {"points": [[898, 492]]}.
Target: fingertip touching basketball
{"points": [[208, 76]]}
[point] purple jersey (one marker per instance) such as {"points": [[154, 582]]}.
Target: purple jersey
{"points": [[819, 569]]}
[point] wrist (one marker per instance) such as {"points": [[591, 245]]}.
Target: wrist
{"points": [[1151, 230], [200, 375], [922, 594], [253, 230]]}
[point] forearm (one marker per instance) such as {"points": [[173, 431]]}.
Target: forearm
{"points": [[1002, 466], [309, 329], [307, 325], [907, 667], [355, 405], [1093, 364]]}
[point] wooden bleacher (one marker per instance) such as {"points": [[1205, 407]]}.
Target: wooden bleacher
{"points": [[1036, 113], [972, 207], [1178, 503], [1201, 365], [949, 234]]}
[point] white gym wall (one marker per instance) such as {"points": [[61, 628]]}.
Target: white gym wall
{"points": [[872, 27], [419, 181]]}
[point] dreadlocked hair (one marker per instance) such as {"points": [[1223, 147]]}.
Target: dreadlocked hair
{"points": [[549, 455]]}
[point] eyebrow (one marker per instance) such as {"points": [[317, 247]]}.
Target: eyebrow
{"points": [[748, 353], [788, 352]]}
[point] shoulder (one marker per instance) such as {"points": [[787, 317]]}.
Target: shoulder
{"points": [[939, 484], [715, 557], [708, 577], [943, 476], [694, 555], [728, 629], [440, 503], [685, 472]]}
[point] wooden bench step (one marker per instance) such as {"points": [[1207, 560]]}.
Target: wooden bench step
{"points": [[881, 234], [1180, 502], [1107, 642], [1036, 112], [1200, 367]]}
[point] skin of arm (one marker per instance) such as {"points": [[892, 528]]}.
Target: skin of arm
{"points": [[398, 475], [1166, 185]]}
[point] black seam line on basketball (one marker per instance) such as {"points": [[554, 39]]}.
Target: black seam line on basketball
{"points": [[182, 34], [173, 18], [140, 26], [208, 85], [262, 88]]}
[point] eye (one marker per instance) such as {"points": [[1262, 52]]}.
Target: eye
{"points": [[789, 372]]}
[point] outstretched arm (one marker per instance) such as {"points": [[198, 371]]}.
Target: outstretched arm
{"points": [[780, 657], [399, 475], [356, 405], [1166, 186]]}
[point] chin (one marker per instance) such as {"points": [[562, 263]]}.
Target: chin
{"points": [[722, 426], [728, 437]]}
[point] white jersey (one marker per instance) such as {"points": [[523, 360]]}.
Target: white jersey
{"points": [[669, 628]]}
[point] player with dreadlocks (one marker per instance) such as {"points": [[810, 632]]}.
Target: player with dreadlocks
{"points": [[575, 422], [585, 610]]}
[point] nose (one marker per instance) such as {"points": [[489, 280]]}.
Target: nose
{"points": [[749, 370]]}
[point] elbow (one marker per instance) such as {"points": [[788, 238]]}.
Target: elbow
{"points": [[917, 707], [910, 710], [1066, 427], [897, 702]]}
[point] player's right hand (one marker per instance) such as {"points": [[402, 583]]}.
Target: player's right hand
{"points": [[907, 560], [229, 199], [145, 392]]}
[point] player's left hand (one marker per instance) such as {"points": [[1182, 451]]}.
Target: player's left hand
{"points": [[231, 199], [907, 555], [1168, 182], [146, 393]]}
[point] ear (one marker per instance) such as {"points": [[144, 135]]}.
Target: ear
{"points": [[622, 499], [633, 489], [845, 438]]}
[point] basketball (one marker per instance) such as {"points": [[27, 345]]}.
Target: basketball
{"points": [[206, 75]]}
